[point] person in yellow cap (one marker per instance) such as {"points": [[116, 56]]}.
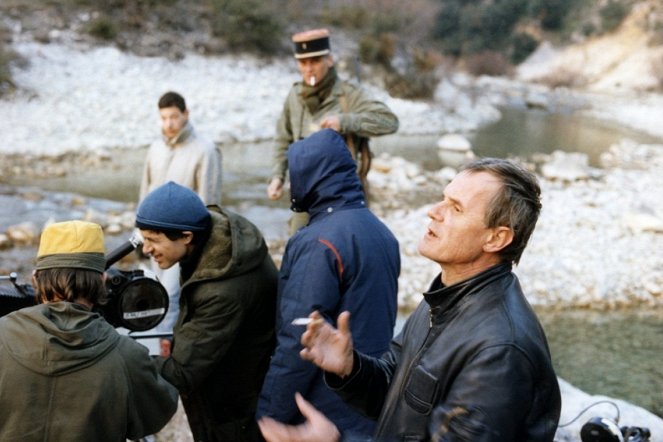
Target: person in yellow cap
{"points": [[320, 101], [65, 373]]}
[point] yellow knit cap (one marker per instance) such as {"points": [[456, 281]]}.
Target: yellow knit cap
{"points": [[72, 244]]}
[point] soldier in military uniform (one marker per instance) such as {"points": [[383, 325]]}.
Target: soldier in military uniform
{"points": [[322, 100]]}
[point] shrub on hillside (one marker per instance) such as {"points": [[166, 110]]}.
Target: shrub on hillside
{"points": [[550, 13], [102, 28], [522, 45], [6, 82], [7, 57], [464, 28], [345, 16], [612, 14], [378, 50], [411, 85], [489, 63], [563, 77], [247, 25]]}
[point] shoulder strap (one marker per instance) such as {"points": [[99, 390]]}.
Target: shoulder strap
{"points": [[362, 151]]}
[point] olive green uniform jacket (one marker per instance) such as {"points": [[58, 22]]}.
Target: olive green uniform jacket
{"points": [[224, 335], [67, 375], [360, 116]]}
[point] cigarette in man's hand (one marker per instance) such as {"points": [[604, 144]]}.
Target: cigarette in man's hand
{"points": [[306, 321], [312, 80]]}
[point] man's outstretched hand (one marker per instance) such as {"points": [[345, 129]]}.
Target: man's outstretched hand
{"points": [[317, 427], [327, 347]]}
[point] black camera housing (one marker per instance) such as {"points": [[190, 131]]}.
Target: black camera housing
{"points": [[600, 429], [135, 301]]}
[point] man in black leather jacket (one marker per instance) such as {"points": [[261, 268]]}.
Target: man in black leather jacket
{"points": [[472, 362]]}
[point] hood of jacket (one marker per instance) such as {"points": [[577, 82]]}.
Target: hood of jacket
{"points": [[323, 175], [235, 247], [56, 338]]}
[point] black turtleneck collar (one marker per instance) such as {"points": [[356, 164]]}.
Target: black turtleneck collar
{"points": [[441, 298]]}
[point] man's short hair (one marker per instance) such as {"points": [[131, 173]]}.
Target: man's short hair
{"points": [[170, 99], [517, 205]]}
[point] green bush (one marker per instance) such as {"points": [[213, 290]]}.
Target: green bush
{"points": [[6, 82], [522, 45], [465, 27], [345, 16], [487, 63], [102, 28], [612, 15], [380, 50], [411, 85], [551, 13], [247, 25]]}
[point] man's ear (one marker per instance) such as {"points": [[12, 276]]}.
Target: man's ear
{"points": [[499, 238], [187, 237]]}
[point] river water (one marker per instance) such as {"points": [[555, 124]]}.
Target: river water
{"points": [[615, 354]]}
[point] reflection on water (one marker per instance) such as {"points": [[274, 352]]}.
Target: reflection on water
{"points": [[617, 354], [523, 133]]}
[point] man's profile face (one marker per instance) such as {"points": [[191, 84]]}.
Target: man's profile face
{"points": [[165, 252], [457, 231], [314, 68], [173, 120]]}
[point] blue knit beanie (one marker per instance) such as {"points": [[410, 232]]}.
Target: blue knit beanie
{"points": [[172, 207]]}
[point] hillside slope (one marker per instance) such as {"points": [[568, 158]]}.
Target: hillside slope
{"points": [[630, 59]]}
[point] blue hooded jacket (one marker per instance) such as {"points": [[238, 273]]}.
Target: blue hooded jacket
{"points": [[344, 259]]}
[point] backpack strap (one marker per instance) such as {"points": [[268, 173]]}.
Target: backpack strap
{"points": [[360, 152]]}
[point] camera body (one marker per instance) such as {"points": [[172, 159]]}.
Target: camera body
{"points": [[600, 429], [135, 301]]}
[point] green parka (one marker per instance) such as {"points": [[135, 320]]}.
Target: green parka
{"points": [[67, 375], [224, 335], [360, 115]]}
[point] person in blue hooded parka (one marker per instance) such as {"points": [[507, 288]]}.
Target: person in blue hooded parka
{"points": [[345, 258]]}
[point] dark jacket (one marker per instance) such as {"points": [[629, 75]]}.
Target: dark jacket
{"points": [[344, 259], [471, 364], [67, 375], [224, 334]]}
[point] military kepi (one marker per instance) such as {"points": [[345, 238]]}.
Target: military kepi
{"points": [[72, 244], [311, 43]]}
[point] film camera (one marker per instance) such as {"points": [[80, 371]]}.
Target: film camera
{"points": [[600, 429], [136, 301]]}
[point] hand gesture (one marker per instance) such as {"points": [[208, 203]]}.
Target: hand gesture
{"points": [[317, 427], [275, 189], [332, 122], [327, 347]]}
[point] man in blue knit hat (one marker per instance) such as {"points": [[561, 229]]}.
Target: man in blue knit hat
{"points": [[224, 334]]}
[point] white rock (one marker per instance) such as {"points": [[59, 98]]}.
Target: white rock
{"points": [[642, 222], [574, 401], [566, 166]]}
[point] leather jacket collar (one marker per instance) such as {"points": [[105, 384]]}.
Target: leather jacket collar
{"points": [[443, 298]]}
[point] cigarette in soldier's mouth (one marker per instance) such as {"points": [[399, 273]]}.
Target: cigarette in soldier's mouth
{"points": [[312, 80], [306, 321]]}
